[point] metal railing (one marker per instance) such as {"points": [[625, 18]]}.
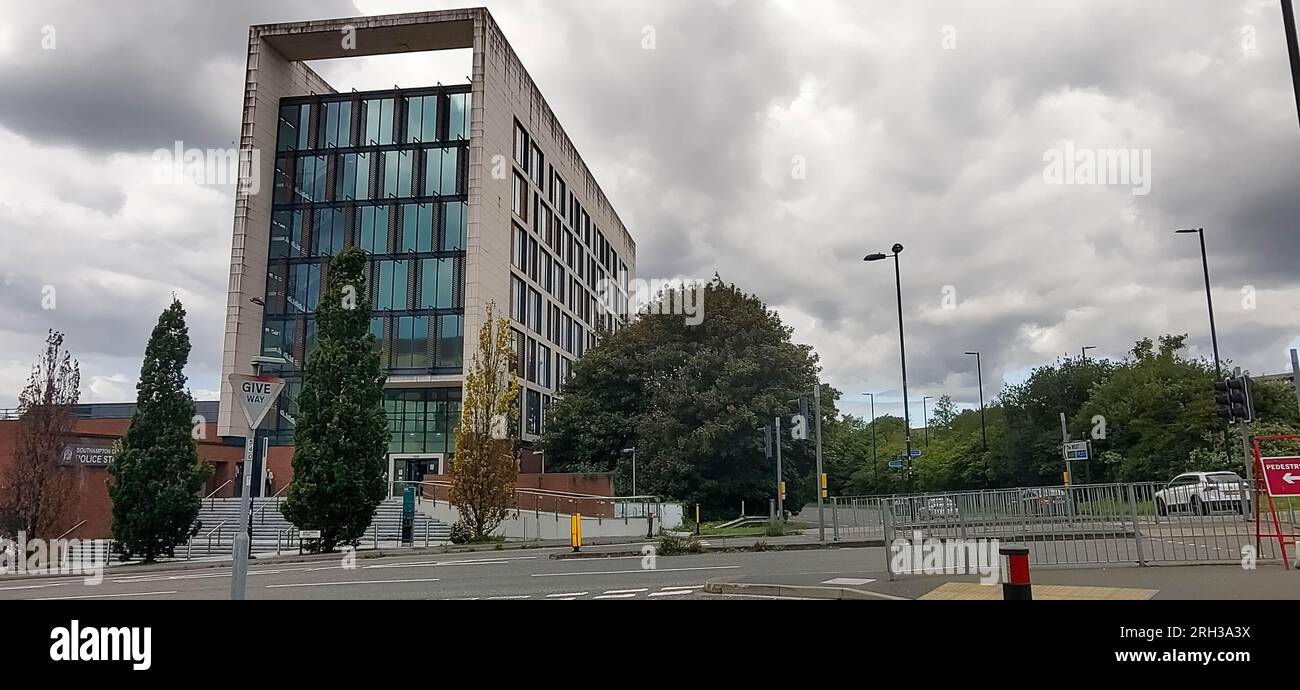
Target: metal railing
{"points": [[1101, 523], [189, 546], [209, 498], [71, 530]]}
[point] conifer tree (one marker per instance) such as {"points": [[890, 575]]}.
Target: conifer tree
{"points": [[342, 432], [156, 477]]}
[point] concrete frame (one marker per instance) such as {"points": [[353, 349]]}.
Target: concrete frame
{"points": [[502, 91]]}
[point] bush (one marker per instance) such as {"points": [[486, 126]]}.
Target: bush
{"points": [[775, 529], [673, 545], [461, 533], [760, 545]]}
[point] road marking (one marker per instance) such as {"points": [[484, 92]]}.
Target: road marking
{"points": [[567, 594], [671, 593], [352, 582], [638, 570], [682, 587], [55, 584], [626, 591], [854, 581], [615, 596], [512, 596], [468, 561], [107, 596]]}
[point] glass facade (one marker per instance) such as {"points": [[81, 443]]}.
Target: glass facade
{"points": [[384, 171]]}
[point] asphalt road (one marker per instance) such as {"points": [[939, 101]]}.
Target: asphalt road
{"points": [[507, 574]]}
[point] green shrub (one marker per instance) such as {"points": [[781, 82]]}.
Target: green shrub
{"points": [[461, 533], [775, 529], [760, 545]]}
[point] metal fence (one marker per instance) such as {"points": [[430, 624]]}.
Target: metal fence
{"points": [[1101, 523]]}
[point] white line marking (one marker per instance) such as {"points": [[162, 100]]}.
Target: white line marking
{"points": [[615, 596], [848, 581], [567, 594], [54, 584], [512, 596], [353, 582], [106, 596], [682, 587], [638, 570], [673, 593], [626, 591]]}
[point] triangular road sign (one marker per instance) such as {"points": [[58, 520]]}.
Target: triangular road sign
{"points": [[256, 395]]}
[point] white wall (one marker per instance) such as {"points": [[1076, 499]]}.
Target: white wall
{"points": [[545, 525]]}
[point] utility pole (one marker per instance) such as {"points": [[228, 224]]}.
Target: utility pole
{"points": [[1292, 50], [817, 412], [1295, 375], [1065, 438], [780, 484]]}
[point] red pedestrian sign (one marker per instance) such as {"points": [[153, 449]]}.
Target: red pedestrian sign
{"points": [[1282, 476]]}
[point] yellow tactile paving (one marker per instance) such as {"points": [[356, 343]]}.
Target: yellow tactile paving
{"points": [[974, 590]]}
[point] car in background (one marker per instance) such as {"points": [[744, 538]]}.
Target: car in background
{"points": [[1202, 492], [1044, 501], [938, 508]]}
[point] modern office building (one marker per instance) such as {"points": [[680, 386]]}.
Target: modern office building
{"points": [[463, 194]]}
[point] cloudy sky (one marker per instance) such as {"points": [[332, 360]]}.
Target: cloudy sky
{"points": [[772, 142]]}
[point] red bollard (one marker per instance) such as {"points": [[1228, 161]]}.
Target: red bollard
{"points": [[1016, 587]]}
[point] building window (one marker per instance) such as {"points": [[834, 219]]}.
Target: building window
{"points": [[521, 146], [458, 116], [520, 198], [379, 122], [534, 413], [455, 222], [442, 172]]}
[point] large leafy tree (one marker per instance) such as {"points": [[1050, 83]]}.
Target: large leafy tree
{"points": [[483, 471], [342, 431], [155, 480], [691, 397], [1158, 410], [1032, 452], [36, 491]]}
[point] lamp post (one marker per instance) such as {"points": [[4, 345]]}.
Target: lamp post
{"points": [[632, 450], [902, 354], [875, 469], [925, 418], [1083, 352], [979, 373], [1209, 302]]}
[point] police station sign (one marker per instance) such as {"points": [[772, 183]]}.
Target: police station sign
{"points": [[87, 454]]}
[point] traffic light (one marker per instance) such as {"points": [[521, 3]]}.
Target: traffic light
{"points": [[1232, 399]]}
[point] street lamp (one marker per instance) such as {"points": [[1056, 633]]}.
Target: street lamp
{"points": [[1083, 352], [632, 450], [902, 354], [1209, 301], [925, 417], [979, 372], [875, 470]]}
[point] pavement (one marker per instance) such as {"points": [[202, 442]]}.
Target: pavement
{"points": [[1186, 582]]}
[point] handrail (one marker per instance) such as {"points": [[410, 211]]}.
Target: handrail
{"points": [[74, 527], [546, 492], [214, 492], [219, 524], [277, 494]]}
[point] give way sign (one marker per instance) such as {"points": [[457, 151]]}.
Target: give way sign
{"points": [[255, 394], [1282, 476]]}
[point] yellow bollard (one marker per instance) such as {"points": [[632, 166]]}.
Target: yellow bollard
{"points": [[575, 531], [823, 485]]}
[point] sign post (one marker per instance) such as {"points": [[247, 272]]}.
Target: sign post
{"points": [[256, 395]]}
